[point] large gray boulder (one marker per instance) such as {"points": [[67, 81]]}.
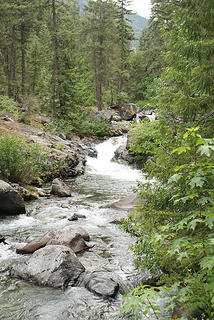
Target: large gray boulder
{"points": [[11, 203], [103, 115], [99, 282], [53, 266], [128, 111], [60, 189], [102, 285]]}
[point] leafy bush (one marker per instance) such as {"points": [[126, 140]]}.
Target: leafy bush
{"points": [[77, 122], [19, 161], [99, 128], [174, 229], [145, 138], [8, 105]]}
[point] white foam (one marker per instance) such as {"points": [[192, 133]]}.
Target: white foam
{"points": [[104, 166]]}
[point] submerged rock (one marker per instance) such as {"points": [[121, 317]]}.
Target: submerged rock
{"points": [[60, 189], [53, 266], [126, 203], [11, 203]]}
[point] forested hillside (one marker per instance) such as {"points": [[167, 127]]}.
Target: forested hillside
{"points": [[137, 22]]}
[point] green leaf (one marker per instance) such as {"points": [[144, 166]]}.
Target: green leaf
{"points": [[205, 150], [192, 225], [181, 150], [199, 141], [174, 178], [207, 262], [205, 200], [196, 182]]}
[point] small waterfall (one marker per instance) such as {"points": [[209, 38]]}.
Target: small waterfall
{"points": [[102, 165], [151, 117]]}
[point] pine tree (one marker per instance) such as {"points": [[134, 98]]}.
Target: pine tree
{"points": [[186, 87], [126, 35], [100, 42]]}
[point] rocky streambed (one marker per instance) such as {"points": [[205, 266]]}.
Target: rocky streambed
{"points": [[91, 282]]}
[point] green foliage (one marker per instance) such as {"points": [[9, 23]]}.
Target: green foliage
{"points": [[146, 65], [78, 123], [145, 138], [143, 302], [122, 97], [19, 161], [186, 86], [174, 227], [7, 105]]}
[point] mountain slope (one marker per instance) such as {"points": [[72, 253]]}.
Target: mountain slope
{"points": [[138, 22]]}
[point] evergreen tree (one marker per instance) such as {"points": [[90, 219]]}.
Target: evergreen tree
{"points": [[147, 63], [186, 87], [126, 35], [99, 34], [18, 20]]}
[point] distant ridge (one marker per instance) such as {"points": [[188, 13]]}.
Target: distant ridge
{"points": [[138, 22]]}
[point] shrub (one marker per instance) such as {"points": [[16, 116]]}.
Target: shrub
{"points": [[8, 105], [145, 138], [19, 161], [177, 235], [77, 122]]}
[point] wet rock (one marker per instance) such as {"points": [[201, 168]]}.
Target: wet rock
{"points": [[126, 203], [123, 155], [11, 203], [119, 128], [116, 221], [35, 245], [79, 230], [2, 239], [53, 266], [148, 114], [71, 239], [128, 111], [92, 152], [76, 216], [101, 284], [24, 193], [60, 189]]}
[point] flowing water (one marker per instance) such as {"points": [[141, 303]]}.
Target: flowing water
{"points": [[104, 182]]}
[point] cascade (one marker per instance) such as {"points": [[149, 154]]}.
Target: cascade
{"points": [[104, 165]]}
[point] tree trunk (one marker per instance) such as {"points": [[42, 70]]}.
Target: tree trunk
{"points": [[55, 58], [11, 64], [23, 58], [99, 94]]}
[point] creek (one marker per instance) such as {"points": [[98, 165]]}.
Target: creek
{"points": [[104, 182]]}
